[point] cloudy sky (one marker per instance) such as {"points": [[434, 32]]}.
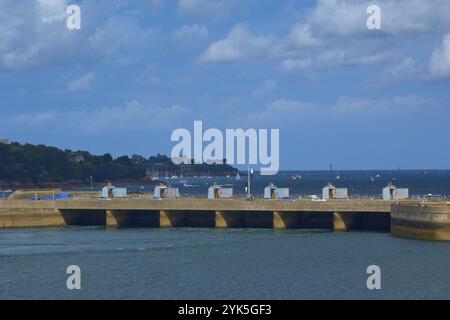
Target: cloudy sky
{"points": [[138, 69]]}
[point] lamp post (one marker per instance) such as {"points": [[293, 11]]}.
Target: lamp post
{"points": [[249, 174]]}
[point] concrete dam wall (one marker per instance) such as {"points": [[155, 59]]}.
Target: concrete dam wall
{"points": [[421, 221], [411, 219], [345, 215]]}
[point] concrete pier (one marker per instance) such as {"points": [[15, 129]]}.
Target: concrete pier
{"points": [[339, 223], [111, 219], [229, 219]]}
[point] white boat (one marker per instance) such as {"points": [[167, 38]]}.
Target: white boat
{"points": [[186, 185], [153, 177], [338, 177]]}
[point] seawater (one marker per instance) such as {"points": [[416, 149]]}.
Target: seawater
{"points": [[218, 264], [359, 183]]}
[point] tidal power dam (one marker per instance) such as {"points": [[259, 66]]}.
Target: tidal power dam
{"points": [[412, 219]]}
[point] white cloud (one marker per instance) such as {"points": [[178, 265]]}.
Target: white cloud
{"points": [[148, 77], [349, 106], [82, 83], [347, 18], [337, 56], [133, 117], [300, 37], [288, 110], [30, 120], [406, 67], [34, 34], [239, 44], [190, 33], [266, 89], [205, 8], [52, 10], [440, 60], [289, 107], [334, 33], [353, 56], [284, 111], [296, 64]]}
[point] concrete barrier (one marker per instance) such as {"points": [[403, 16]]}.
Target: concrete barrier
{"points": [[421, 221]]}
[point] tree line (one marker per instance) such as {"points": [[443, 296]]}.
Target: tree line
{"points": [[40, 164]]}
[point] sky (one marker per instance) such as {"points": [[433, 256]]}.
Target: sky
{"points": [[137, 70]]}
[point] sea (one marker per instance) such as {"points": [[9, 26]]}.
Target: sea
{"points": [[189, 263], [305, 183]]}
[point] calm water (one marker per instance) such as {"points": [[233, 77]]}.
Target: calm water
{"points": [[359, 183], [218, 264]]}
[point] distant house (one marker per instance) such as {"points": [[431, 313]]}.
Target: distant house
{"points": [[76, 157], [5, 141], [136, 158]]}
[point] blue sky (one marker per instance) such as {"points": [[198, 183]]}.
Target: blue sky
{"points": [[137, 70]]}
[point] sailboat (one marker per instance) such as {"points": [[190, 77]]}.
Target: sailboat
{"points": [[295, 177], [155, 177]]}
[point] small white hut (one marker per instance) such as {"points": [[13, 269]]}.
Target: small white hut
{"points": [[391, 192], [331, 192], [164, 192], [218, 192], [110, 191], [273, 192]]}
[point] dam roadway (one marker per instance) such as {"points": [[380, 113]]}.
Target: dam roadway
{"points": [[340, 215]]}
